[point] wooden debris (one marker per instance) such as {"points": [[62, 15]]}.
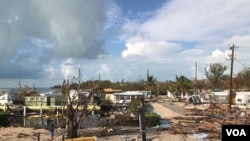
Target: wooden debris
{"points": [[23, 135], [209, 120], [187, 121]]}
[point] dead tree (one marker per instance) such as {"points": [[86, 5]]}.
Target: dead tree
{"points": [[76, 107]]}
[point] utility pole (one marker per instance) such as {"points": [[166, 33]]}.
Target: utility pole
{"points": [[142, 112], [99, 77], [147, 84], [142, 119], [195, 80], [195, 72], [20, 85], [231, 78], [79, 76]]}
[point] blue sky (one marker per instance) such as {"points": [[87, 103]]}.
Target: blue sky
{"points": [[45, 42]]}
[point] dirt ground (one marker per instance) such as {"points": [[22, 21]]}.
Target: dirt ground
{"points": [[26, 134]]}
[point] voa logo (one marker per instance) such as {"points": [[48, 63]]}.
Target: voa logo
{"points": [[236, 132]]}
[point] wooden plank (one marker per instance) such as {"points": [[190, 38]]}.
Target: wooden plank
{"points": [[83, 139], [187, 121], [210, 126]]}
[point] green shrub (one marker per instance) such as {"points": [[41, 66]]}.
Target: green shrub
{"points": [[152, 119], [125, 120], [133, 106]]}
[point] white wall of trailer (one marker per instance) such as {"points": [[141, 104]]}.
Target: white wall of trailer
{"points": [[6, 99], [242, 99]]}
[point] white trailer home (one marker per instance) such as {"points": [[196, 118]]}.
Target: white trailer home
{"points": [[220, 97], [5, 97], [242, 99], [205, 96], [127, 96]]}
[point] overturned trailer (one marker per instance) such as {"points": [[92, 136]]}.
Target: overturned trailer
{"points": [[195, 99]]}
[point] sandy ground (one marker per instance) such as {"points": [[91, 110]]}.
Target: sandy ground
{"points": [[29, 134], [23, 134], [165, 112], [11, 134]]}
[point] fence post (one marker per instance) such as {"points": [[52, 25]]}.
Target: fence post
{"points": [[38, 136], [63, 137], [24, 111]]}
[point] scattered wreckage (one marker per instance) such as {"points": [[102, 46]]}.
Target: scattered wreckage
{"points": [[208, 118]]}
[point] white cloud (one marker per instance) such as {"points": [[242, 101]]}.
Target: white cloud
{"points": [[168, 42], [239, 41], [154, 51], [242, 46], [193, 51], [198, 29], [37, 33], [217, 54], [72, 27], [68, 69], [105, 68], [114, 16], [195, 21]]}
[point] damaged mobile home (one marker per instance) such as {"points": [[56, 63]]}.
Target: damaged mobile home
{"points": [[242, 99]]}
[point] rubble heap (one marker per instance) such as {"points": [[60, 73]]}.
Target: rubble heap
{"points": [[209, 119]]}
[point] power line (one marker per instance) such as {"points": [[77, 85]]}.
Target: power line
{"points": [[243, 64]]}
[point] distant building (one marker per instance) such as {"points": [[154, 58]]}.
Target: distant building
{"points": [[43, 100], [109, 94], [119, 96], [6, 97], [220, 97], [127, 96]]}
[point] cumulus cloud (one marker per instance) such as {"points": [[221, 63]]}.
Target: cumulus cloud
{"points": [[71, 27], [36, 32], [196, 28], [217, 54], [168, 41], [105, 68], [193, 21], [153, 51], [68, 69], [241, 44]]}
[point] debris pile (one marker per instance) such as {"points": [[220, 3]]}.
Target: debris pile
{"points": [[209, 119]]}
